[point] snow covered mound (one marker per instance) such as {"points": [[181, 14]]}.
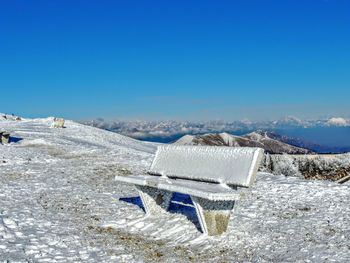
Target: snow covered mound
{"points": [[59, 203], [41, 131], [7, 117]]}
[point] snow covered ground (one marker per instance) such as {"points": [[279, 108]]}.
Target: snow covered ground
{"points": [[59, 203]]}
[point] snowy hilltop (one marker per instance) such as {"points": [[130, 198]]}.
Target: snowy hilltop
{"points": [[253, 139], [59, 202]]}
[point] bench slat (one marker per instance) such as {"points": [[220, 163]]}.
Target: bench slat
{"points": [[229, 165], [210, 191]]}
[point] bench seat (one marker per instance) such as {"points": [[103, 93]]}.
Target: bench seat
{"points": [[210, 191]]}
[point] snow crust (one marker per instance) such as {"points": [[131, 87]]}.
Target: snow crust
{"points": [[59, 203]]}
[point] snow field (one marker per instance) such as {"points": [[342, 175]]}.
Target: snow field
{"points": [[59, 203]]}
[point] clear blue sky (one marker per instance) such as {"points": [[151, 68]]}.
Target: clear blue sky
{"points": [[175, 59]]}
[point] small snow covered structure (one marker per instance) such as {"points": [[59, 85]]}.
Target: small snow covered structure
{"points": [[58, 123], [4, 137], [210, 175]]}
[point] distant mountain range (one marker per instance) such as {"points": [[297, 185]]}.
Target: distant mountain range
{"points": [[254, 139], [147, 129], [330, 135]]}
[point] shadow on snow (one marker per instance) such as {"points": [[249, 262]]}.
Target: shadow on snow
{"points": [[180, 203]]}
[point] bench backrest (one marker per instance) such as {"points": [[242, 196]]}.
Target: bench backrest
{"points": [[228, 165]]}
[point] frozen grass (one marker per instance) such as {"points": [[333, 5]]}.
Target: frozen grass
{"points": [[322, 167]]}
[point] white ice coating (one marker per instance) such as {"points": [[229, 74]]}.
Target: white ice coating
{"points": [[229, 165], [210, 191]]}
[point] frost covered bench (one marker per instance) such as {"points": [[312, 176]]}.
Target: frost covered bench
{"points": [[210, 175], [4, 137]]}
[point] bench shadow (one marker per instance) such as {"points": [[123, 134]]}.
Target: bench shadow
{"points": [[14, 139], [136, 200], [180, 204]]}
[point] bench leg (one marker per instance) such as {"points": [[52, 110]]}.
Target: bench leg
{"points": [[154, 200], [213, 215], [5, 139]]}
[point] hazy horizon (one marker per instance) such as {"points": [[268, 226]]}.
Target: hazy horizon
{"points": [[116, 118]]}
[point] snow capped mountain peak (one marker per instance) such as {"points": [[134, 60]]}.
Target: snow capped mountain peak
{"points": [[246, 121], [186, 140], [338, 121], [292, 119], [257, 135]]}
